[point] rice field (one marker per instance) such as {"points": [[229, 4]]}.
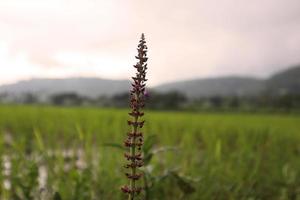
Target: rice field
{"points": [[73, 154]]}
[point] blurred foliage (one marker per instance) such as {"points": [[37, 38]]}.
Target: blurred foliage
{"points": [[152, 179], [192, 155]]}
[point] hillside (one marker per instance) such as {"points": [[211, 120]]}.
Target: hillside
{"points": [[284, 82], [90, 87], [226, 86]]}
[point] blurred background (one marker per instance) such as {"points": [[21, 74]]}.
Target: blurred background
{"points": [[202, 54], [222, 116]]}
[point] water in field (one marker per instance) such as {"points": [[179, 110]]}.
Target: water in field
{"points": [[47, 151]]}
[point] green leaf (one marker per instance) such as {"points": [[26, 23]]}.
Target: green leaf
{"points": [[149, 143], [218, 150], [164, 149], [79, 132], [57, 196], [39, 139], [185, 186], [115, 145], [147, 158]]}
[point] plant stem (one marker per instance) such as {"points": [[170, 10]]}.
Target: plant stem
{"points": [[134, 141], [132, 153]]}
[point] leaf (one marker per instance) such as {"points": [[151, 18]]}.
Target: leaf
{"points": [[218, 149], [115, 145], [80, 132], [57, 196], [149, 155], [184, 185], [149, 143], [147, 158], [164, 149], [39, 139]]}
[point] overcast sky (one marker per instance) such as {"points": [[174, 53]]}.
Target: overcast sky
{"points": [[186, 39]]}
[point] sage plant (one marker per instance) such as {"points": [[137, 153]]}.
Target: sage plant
{"points": [[134, 140]]}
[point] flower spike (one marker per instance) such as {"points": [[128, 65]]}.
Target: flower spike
{"points": [[134, 140]]}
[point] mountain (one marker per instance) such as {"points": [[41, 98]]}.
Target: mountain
{"points": [[225, 86], [285, 82], [90, 87]]}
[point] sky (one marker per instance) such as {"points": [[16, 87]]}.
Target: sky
{"points": [[186, 39]]}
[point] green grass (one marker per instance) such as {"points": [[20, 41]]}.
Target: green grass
{"points": [[231, 156]]}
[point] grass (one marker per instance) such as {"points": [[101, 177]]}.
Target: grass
{"points": [[228, 156]]}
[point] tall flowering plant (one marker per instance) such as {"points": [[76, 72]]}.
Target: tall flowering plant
{"points": [[134, 140]]}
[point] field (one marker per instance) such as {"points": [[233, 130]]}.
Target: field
{"points": [[73, 153]]}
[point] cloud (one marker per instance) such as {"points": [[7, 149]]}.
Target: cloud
{"points": [[187, 39]]}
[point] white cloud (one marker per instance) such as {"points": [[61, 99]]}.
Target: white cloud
{"points": [[187, 39]]}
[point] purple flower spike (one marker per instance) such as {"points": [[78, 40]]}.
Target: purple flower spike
{"points": [[134, 140]]}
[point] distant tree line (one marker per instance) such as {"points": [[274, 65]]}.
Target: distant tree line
{"points": [[285, 103], [169, 101], [158, 101]]}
